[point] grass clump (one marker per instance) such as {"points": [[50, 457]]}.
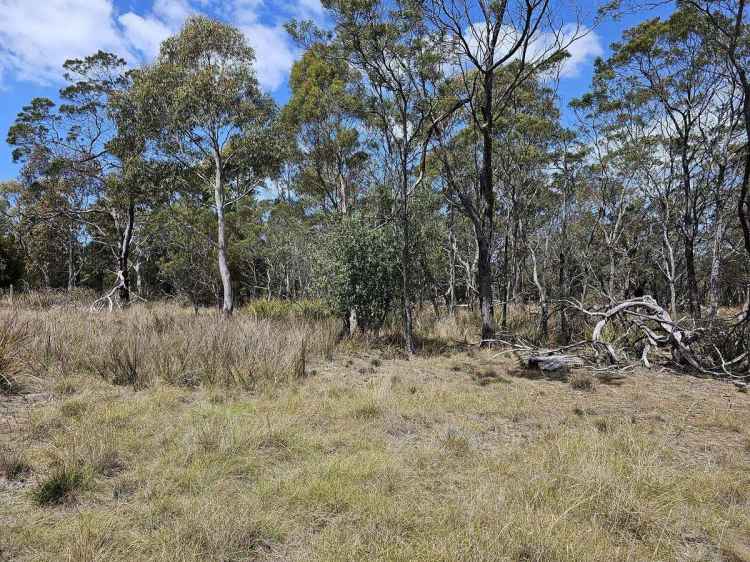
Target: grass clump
{"points": [[13, 337], [13, 464], [582, 381], [59, 487]]}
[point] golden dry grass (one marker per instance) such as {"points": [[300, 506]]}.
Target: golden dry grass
{"points": [[450, 456]]}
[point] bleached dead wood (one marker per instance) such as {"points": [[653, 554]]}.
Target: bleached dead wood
{"points": [[658, 329]]}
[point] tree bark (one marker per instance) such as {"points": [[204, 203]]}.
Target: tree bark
{"points": [[405, 266], [123, 257], [487, 216], [713, 281], [226, 278]]}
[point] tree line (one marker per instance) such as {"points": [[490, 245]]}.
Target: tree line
{"points": [[422, 159]]}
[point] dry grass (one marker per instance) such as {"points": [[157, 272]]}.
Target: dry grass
{"points": [[165, 343], [372, 458]]}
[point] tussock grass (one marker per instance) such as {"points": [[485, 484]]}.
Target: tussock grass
{"points": [[60, 486], [13, 337], [13, 464], [145, 345]]}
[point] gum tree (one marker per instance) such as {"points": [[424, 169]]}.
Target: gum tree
{"points": [[204, 112]]}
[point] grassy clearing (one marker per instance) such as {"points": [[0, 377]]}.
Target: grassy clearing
{"points": [[451, 456]]}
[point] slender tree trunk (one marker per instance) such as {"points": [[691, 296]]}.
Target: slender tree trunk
{"points": [[670, 269], [689, 235], [123, 257], [506, 277], [226, 278], [71, 257], [138, 276], [692, 281], [405, 265], [743, 203], [452, 251], [713, 281], [612, 272], [543, 305], [487, 217], [563, 271]]}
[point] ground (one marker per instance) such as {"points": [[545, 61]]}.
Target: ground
{"points": [[457, 455]]}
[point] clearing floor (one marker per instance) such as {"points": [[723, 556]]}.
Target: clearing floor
{"points": [[457, 456]]}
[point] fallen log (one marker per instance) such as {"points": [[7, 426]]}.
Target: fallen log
{"points": [[559, 364]]}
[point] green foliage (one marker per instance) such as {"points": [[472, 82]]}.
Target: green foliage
{"points": [[361, 269], [11, 262]]}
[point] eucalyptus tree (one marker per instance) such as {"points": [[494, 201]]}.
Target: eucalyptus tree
{"points": [[726, 29], [202, 109], [325, 111], [484, 37], [667, 62], [86, 152]]}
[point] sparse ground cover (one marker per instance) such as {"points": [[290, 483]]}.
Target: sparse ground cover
{"points": [[455, 455]]}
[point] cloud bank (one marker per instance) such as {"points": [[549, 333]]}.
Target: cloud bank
{"points": [[35, 41]]}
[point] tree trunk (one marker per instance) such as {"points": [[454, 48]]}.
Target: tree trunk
{"points": [[563, 271], [452, 251], [743, 204], [670, 270], [71, 266], [226, 278], [689, 232], [487, 217], [405, 266], [713, 281], [123, 265], [692, 281], [485, 290], [543, 305]]}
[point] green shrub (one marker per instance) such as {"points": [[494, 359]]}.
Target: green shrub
{"points": [[359, 269]]}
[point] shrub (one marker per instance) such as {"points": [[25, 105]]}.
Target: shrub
{"points": [[360, 270]]}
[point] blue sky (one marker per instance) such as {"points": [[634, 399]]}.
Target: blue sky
{"points": [[37, 36]]}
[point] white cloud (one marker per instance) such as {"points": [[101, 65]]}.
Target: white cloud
{"points": [[274, 54], [582, 51], [35, 40], [144, 34]]}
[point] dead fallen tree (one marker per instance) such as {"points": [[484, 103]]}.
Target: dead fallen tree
{"points": [[718, 349]]}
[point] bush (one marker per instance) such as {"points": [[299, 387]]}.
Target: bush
{"points": [[13, 465], [360, 270]]}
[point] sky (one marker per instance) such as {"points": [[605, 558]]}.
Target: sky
{"points": [[37, 36]]}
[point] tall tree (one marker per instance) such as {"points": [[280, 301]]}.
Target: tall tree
{"points": [[483, 37], [201, 104]]}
